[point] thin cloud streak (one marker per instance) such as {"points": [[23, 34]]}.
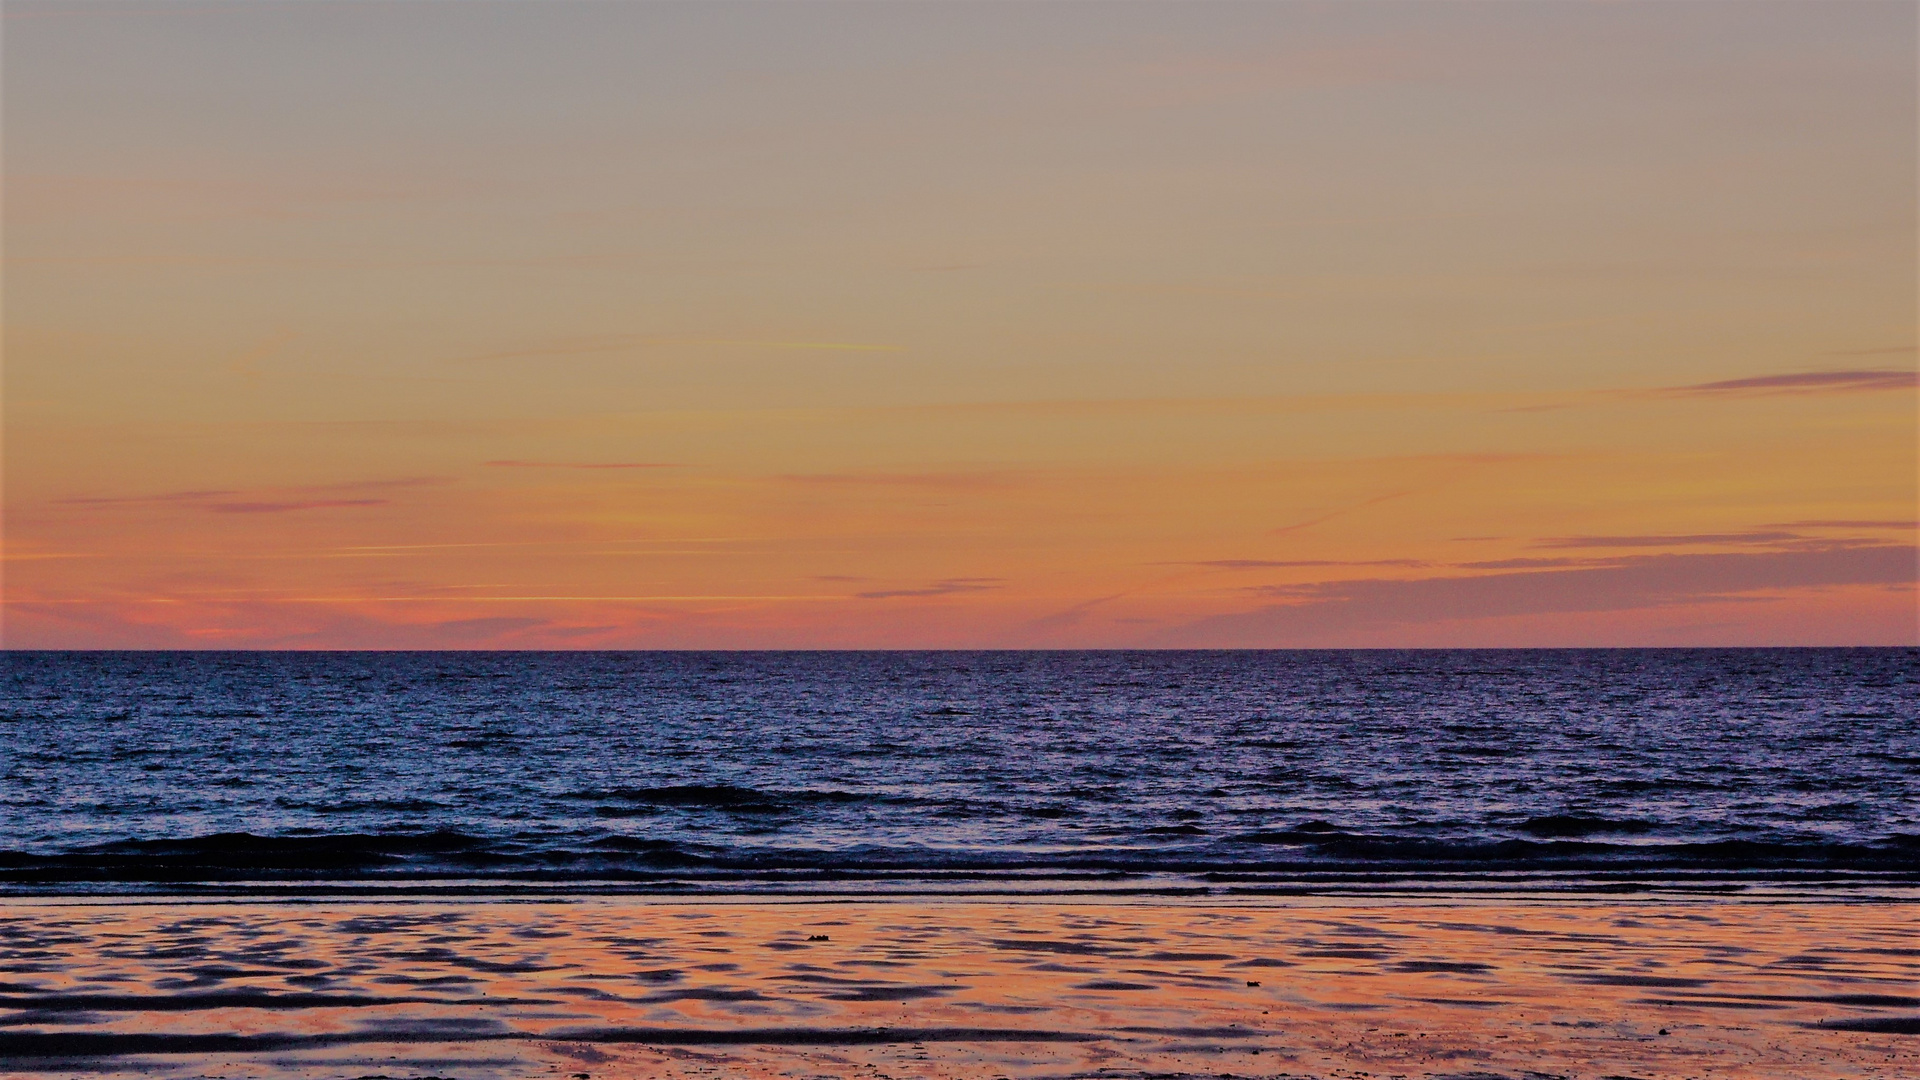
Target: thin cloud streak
{"points": [[582, 465], [1829, 524], [120, 500], [1525, 564], [1798, 383], [627, 342], [1262, 564], [1890, 350], [289, 507], [944, 587], [262, 498], [1316, 611], [1666, 540], [936, 481], [1375, 501], [437, 599], [1808, 382], [481, 629], [206, 494], [1061, 620]]}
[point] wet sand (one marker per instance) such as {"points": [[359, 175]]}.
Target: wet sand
{"points": [[624, 987]]}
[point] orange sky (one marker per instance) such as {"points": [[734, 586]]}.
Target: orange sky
{"points": [[629, 325]]}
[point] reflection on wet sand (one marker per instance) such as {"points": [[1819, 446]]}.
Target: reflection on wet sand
{"points": [[632, 988]]}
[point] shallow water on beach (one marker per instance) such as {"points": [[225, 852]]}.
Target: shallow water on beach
{"points": [[620, 988], [1037, 771]]}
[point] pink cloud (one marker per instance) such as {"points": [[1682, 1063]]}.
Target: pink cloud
{"points": [[581, 465], [946, 587], [1321, 611], [1666, 540], [288, 507], [117, 500], [1261, 564], [1805, 382], [271, 500], [938, 481], [1880, 524]]}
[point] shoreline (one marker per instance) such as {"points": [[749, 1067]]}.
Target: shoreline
{"points": [[1409, 888], [962, 987]]}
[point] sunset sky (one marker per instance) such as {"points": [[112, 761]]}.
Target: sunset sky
{"points": [[626, 325]]}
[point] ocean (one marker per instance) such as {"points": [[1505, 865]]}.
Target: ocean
{"points": [[1183, 773]]}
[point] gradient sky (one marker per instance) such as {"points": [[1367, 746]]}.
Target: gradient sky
{"points": [[882, 325]]}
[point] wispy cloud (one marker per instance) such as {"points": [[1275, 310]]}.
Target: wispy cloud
{"points": [[290, 506], [608, 343], [1521, 564], [378, 485], [267, 500], [1808, 382], [1847, 524], [1343, 511], [1666, 540], [930, 480], [471, 630], [581, 465], [1262, 564], [944, 587], [165, 497], [1312, 612], [1887, 350], [1795, 383], [804, 346], [1061, 620]]}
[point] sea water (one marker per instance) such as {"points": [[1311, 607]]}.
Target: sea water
{"points": [[1218, 772]]}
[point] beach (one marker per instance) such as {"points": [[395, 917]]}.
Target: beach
{"points": [[618, 987], [1307, 540], [1645, 864]]}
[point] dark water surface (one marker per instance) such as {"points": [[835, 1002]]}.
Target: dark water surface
{"points": [[780, 771]]}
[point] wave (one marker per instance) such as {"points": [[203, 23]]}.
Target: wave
{"points": [[30, 1045], [908, 766], [1311, 849], [718, 797], [1583, 825], [361, 806]]}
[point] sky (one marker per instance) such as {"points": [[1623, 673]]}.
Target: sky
{"points": [[867, 325]]}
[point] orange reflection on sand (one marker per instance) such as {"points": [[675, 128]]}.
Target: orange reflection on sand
{"points": [[623, 987]]}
